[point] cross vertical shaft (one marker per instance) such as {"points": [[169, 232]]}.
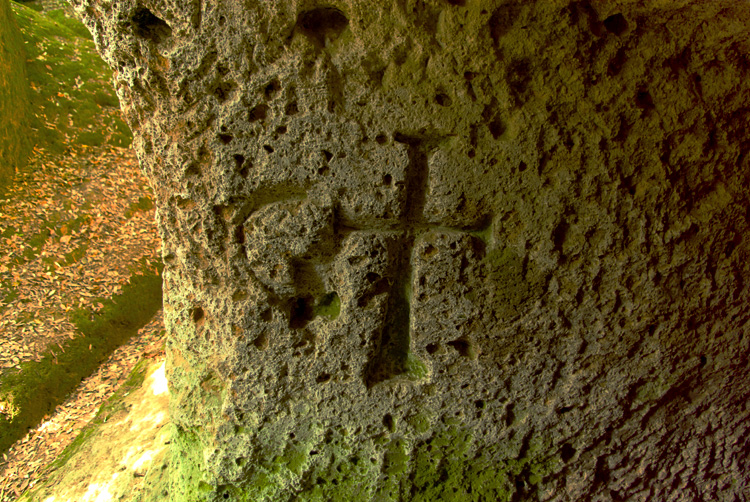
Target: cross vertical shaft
{"points": [[392, 356]]}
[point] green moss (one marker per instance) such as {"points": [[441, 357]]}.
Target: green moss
{"points": [[420, 422], [449, 465], [328, 306], [415, 368], [8, 232], [8, 293], [76, 255], [15, 108], [484, 234], [32, 247], [187, 464], [72, 25], [34, 389], [91, 138]]}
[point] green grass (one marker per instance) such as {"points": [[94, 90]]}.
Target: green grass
{"points": [[33, 390]]}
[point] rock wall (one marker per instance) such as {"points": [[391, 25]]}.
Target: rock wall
{"points": [[447, 249], [14, 102]]}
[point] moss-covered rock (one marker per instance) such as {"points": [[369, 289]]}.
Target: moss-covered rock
{"points": [[534, 215], [15, 109]]}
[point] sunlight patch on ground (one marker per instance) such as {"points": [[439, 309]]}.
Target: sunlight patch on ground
{"points": [[160, 381]]}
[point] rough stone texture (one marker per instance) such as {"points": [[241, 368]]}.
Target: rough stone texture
{"points": [[448, 250], [14, 102]]}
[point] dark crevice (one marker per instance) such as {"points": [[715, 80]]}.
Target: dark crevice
{"points": [[148, 26], [322, 25]]}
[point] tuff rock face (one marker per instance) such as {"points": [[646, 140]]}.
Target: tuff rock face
{"points": [[447, 249]]}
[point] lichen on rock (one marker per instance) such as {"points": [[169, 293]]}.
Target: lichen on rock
{"points": [[532, 216]]}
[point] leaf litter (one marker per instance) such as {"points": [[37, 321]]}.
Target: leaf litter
{"points": [[76, 223]]}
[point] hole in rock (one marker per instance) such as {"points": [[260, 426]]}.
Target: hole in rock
{"points": [[567, 452], [239, 234], [643, 100], [281, 130], [616, 24], [328, 155], [479, 403], [431, 348], [147, 25], [323, 378], [388, 422], [615, 65], [322, 25], [223, 90], [497, 128], [198, 315], [261, 343], [301, 313], [258, 113], [503, 19], [226, 138], [387, 180], [704, 361], [239, 160], [443, 100], [381, 139], [268, 148], [271, 89], [291, 109], [463, 347], [458, 3]]}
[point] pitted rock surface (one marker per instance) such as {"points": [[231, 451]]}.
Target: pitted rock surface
{"points": [[447, 249]]}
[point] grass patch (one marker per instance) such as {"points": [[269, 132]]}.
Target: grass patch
{"points": [[31, 392]]}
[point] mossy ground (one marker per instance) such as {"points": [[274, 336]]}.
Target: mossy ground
{"points": [[71, 90]]}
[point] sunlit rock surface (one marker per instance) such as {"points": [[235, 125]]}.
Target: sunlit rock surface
{"points": [[447, 249], [122, 456]]}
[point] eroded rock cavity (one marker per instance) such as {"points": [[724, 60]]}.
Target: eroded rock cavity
{"points": [[447, 250]]}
